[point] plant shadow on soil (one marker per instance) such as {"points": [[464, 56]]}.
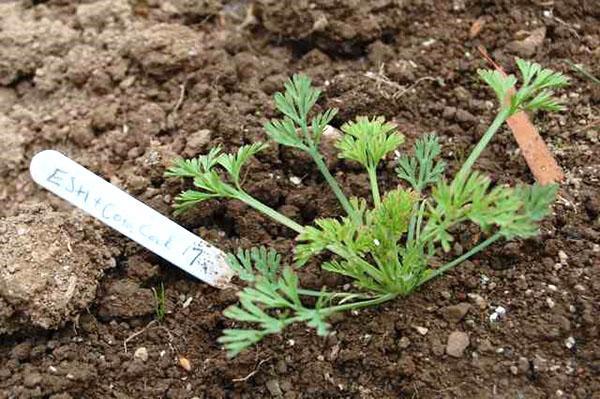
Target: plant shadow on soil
{"points": [[102, 81]]}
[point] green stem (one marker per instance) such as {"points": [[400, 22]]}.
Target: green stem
{"points": [[270, 212], [412, 225], [368, 268], [358, 305], [485, 139], [374, 186], [316, 293], [316, 156], [480, 247]]}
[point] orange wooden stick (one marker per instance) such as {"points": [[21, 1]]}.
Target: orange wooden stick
{"points": [[540, 160]]}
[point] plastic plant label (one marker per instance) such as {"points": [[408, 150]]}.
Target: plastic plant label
{"points": [[114, 207]]}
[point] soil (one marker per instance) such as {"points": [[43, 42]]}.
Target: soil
{"points": [[123, 87]]}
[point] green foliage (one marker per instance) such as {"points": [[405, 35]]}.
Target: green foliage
{"points": [[422, 168], [385, 249], [271, 301], [207, 178], [233, 163], [160, 303], [295, 104], [537, 89], [368, 141]]}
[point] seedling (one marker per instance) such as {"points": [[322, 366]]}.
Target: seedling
{"points": [[160, 303], [385, 246]]}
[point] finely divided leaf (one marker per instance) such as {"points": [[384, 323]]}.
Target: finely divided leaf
{"points": [[195, 166], [233, 163], [422, 169], [368, 141], [500, 83]]}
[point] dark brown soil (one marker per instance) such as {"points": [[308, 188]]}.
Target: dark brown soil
{"points": [[125, 86]]}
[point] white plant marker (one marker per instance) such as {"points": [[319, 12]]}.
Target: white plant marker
{"points": [[114, 207]]}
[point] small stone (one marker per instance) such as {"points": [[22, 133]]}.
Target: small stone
{"points": [[21, 351], [404, 342], [185, 363], [281, 366], [540, 364], [32, 379], [479, 301], [514, 370], [562, 256], [529, 45], [187, 302], [421, 330], [141, 353], [437, 347], [523, 364], [550, 302], [570, 342], [448, 113], [498, 314], [274, 388], [464, 116], [485, 346], [196, 142], [406, 365], [458, 341], [459, 5], [446, 295], [456, 313], [295, 180]]}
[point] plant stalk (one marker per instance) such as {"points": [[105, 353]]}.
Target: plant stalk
{"points": [[335, 187], [358, 305], [272, 213], [374, 186], [485, 139], [480, 247]]}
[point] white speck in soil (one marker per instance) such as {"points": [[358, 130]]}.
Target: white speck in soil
{"points": [[570, 342], [421, 330]]}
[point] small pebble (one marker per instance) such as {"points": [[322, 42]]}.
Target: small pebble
{"points": [[185, 363], [499, 313], [458, 341], [141, 353], [550, 302], [523, 364], [514, 370], [404, 342], [296, 180], [187, 302], [274, 388], [421, 330], [570, 342], [479, 300], [562, 256]]}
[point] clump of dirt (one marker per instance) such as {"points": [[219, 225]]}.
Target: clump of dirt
{"points": [[50, 265], [345, 27]]}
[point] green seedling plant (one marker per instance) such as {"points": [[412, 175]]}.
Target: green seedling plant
{"points": [[160, 303], [386, 245]]}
